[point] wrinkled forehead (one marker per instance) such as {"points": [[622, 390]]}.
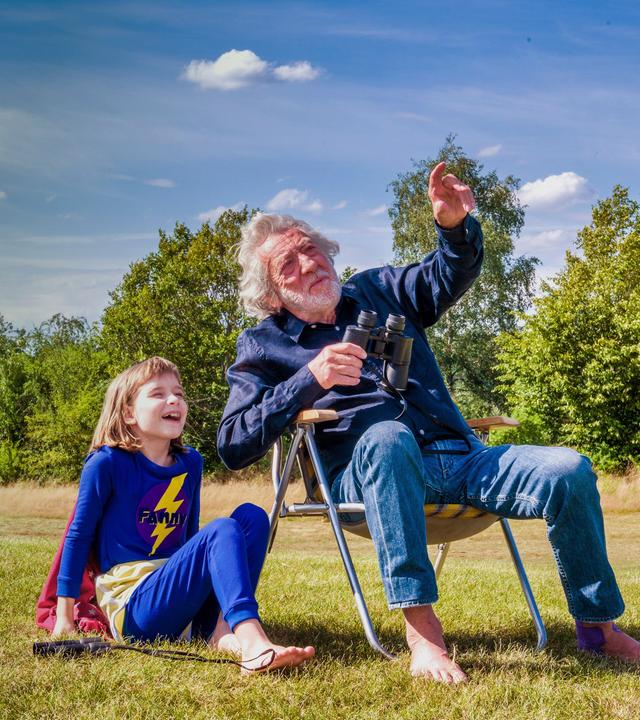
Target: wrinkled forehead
{"points": [[282, 243]]}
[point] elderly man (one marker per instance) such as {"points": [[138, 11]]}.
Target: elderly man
{"points": [[396, 452]]}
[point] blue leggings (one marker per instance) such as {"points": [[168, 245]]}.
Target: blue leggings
{"points": [[217, 570]]}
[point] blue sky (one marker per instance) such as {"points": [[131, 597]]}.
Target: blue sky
{"points": [[117, 119]]}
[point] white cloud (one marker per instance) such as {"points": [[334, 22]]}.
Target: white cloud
{"points": [[489, 151], [232, 70], [238, 68], [160, 183], [555, 190], [546, 238], [297, 72], [339, 206], [374, 212], [291, 198], [313, 206], [153, 182], [3, 194], [213, 214], [412, 116]]}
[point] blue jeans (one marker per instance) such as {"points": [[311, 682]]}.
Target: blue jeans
{"points": [[217, 570], [394, 478]]}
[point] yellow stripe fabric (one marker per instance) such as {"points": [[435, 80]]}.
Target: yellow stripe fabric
{"points": [[462, 512]]}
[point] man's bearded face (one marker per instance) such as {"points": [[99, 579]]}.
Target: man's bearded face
{"points": [[304, 278]]}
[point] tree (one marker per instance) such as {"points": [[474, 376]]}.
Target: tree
{"points": [[52, 381], [572, 373], [13, 377], [181, 302], [66, 379], [463, 340]]}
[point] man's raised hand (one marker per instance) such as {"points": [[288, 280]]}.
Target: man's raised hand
{"points": [[451, 198], [338, 364]]}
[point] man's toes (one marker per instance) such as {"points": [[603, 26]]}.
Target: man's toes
{"points": [[459, 677], [444, 677]]}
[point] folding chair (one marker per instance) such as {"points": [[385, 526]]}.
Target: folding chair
{"points": [[445, 523]]}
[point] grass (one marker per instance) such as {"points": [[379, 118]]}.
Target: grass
{"points": [[304, 598]]}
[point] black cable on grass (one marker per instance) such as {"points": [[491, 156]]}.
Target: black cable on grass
{"points": [[98, 646]]}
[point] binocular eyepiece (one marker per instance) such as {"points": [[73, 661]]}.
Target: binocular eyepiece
{"points": [[387, 343]]}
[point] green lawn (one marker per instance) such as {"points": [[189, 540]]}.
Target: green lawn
{"points": [[305, 598]]}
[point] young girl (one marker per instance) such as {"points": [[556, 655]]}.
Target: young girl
{"points": [[138, 507]]}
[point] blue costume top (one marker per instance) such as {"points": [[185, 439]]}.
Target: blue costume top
{"points": [[130, 509], [270, 381]]}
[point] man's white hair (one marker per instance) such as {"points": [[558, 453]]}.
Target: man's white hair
{"points": [[257, 293]]}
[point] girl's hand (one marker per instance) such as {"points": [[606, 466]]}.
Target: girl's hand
{"points": [[63, 627], [64, 617]]}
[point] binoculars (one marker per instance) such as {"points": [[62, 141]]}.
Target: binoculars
{"points": [[386, 343]]}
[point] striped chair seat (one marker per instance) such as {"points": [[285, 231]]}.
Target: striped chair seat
{"points": [[445, 523]]}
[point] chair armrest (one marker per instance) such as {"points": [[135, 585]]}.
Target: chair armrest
{"points": [[315, 416], [492, 423]]}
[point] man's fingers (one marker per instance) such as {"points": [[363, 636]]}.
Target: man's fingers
{"points": [[469, 202], [348, 370], [347, 348], [435, 177], [450, 181], [339, 359]]}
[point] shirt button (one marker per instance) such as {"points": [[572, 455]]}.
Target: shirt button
{"points": [[421, 432], [313, 327], [337, 327]]}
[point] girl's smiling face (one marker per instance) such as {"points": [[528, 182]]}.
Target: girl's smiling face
{"points": [[159, 410]]}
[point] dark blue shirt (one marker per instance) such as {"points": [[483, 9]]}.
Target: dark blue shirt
{"points": [[271, 383]]}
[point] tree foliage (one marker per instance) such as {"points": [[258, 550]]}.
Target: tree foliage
{"points": [[464, 339], [52, 381], [572, 373], [181, 302]]}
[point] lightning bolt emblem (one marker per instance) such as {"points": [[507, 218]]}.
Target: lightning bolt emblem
{"points": [[169, 503]]}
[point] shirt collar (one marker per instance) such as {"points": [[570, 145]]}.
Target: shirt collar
{"points": [[293, 326]]}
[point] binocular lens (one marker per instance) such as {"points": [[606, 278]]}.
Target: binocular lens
{"points": [[395, 323], [367, 319]]}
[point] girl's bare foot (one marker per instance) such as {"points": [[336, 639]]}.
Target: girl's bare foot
{"points": [[224, 640], [429, 656], [281, 657], [255, 647]]}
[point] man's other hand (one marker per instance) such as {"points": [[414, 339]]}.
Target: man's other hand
{"points": [[338, 364], [451, 198]]}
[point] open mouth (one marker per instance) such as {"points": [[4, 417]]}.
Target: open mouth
{"points": [[175, 416]]}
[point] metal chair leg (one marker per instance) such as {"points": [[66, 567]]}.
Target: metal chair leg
{"points": [[281, 482], [358, 596], [524, 584], [443, 551]]}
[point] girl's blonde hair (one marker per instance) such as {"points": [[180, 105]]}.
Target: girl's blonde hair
{"points": [[111, 429]]}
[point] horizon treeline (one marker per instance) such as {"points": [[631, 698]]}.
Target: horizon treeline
{"points": [[565, 363]]}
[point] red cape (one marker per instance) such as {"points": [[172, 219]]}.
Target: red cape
{"points": [[87, 615]]}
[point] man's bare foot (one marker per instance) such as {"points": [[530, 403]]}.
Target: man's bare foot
{"points": [[224, 640], [429, 656], [255, 646], [607, 639]]}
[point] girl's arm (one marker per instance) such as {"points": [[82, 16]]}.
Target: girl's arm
{"points": [[93, 494]]}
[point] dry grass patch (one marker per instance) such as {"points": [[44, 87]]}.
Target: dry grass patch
{"points": [[620, 493]]}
